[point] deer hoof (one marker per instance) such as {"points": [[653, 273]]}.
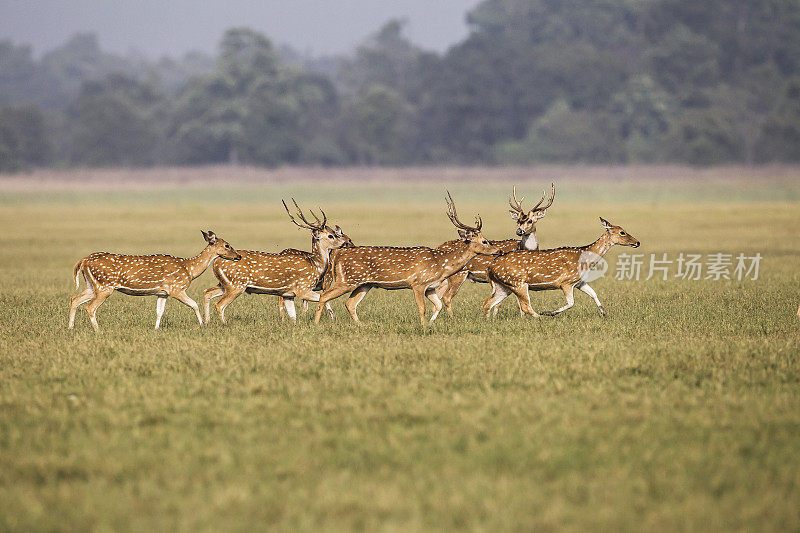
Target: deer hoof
{"points": [[548, 313], [603, 311]]}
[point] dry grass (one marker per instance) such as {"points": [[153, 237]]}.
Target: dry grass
{"points": [[681, 410]]}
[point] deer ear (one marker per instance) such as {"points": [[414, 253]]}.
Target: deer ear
{"points": [[209, 236], [606, 224], [540, 214], [464, 235], [514, 214], [338, 230]]}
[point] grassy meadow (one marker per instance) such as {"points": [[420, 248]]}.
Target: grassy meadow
{"points": [[678, 411]]}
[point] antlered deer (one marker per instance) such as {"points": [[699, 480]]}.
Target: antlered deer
{"points": [[560, 268], [420, 268], [286, 275], [310, 257], [144, 275], [476, 269]]}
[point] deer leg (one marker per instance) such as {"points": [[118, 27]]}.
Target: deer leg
{"points": [[332, 292], [161, 304], [77, 301], [288, 302], [355, 298], [231, 293], [524, 299], [450, 288], [184, 298], [499, 293], [281, 307], [437, 303], [312, 296], [208, 295], [419, 298], [586, 289], [568, 294], [496, 309], [91, 308]]}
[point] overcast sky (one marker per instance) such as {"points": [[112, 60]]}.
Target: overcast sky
{"points": [[173, 27]]}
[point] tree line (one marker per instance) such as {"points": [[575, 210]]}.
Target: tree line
{"points": [[610, 81]]}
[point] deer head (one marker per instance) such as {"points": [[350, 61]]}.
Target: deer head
{"points": [[526, 220], [471, 235], [220, 247], [348, 242], [618, 235], [326, 237]]}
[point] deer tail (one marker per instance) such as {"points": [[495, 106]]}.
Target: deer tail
{"points": [[76, 271]]}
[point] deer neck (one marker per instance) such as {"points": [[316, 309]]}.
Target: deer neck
{"points": [[198, 264], [457, 258], [601, 245], [320, 255], [529, 241]]}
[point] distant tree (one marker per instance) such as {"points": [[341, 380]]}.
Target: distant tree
{"points": [[18, 72], [319, 107], [471, 101], [644, 111], [205, 122], [683, 59], [564, 135], [113, 122], [23, 138], [387, 58], [252, 109], [704, 137], [65, 69], [780, 140], [271, 125], [172, 74], [535, 80], [377, 127], [209, 115]]}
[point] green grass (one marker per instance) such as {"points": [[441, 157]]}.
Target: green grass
{"points": [[680, 410]]}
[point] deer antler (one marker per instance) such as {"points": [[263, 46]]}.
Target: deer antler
{"points": [[306, 224], [544, 195], [515, 204], [324, 217], [453, 215]]}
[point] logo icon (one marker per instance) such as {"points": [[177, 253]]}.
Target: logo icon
{"points": [[591, 266]]}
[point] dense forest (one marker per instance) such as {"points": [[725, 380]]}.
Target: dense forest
{"points": [[607, 81]]}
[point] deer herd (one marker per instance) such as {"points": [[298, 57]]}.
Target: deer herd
{"points": [[336, 266]]}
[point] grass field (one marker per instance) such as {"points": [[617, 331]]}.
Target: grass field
{"points": [[679, 411]]}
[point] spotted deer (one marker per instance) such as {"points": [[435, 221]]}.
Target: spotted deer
{"points": [[286, 275], [310, 256], [564, 268], [144, 275], [421, 269], [476, 269]]}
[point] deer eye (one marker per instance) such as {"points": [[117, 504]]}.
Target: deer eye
{"points": [[330, 236], [622, 233]]}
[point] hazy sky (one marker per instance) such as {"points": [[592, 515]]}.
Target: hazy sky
{"points": [[172, 27]]}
